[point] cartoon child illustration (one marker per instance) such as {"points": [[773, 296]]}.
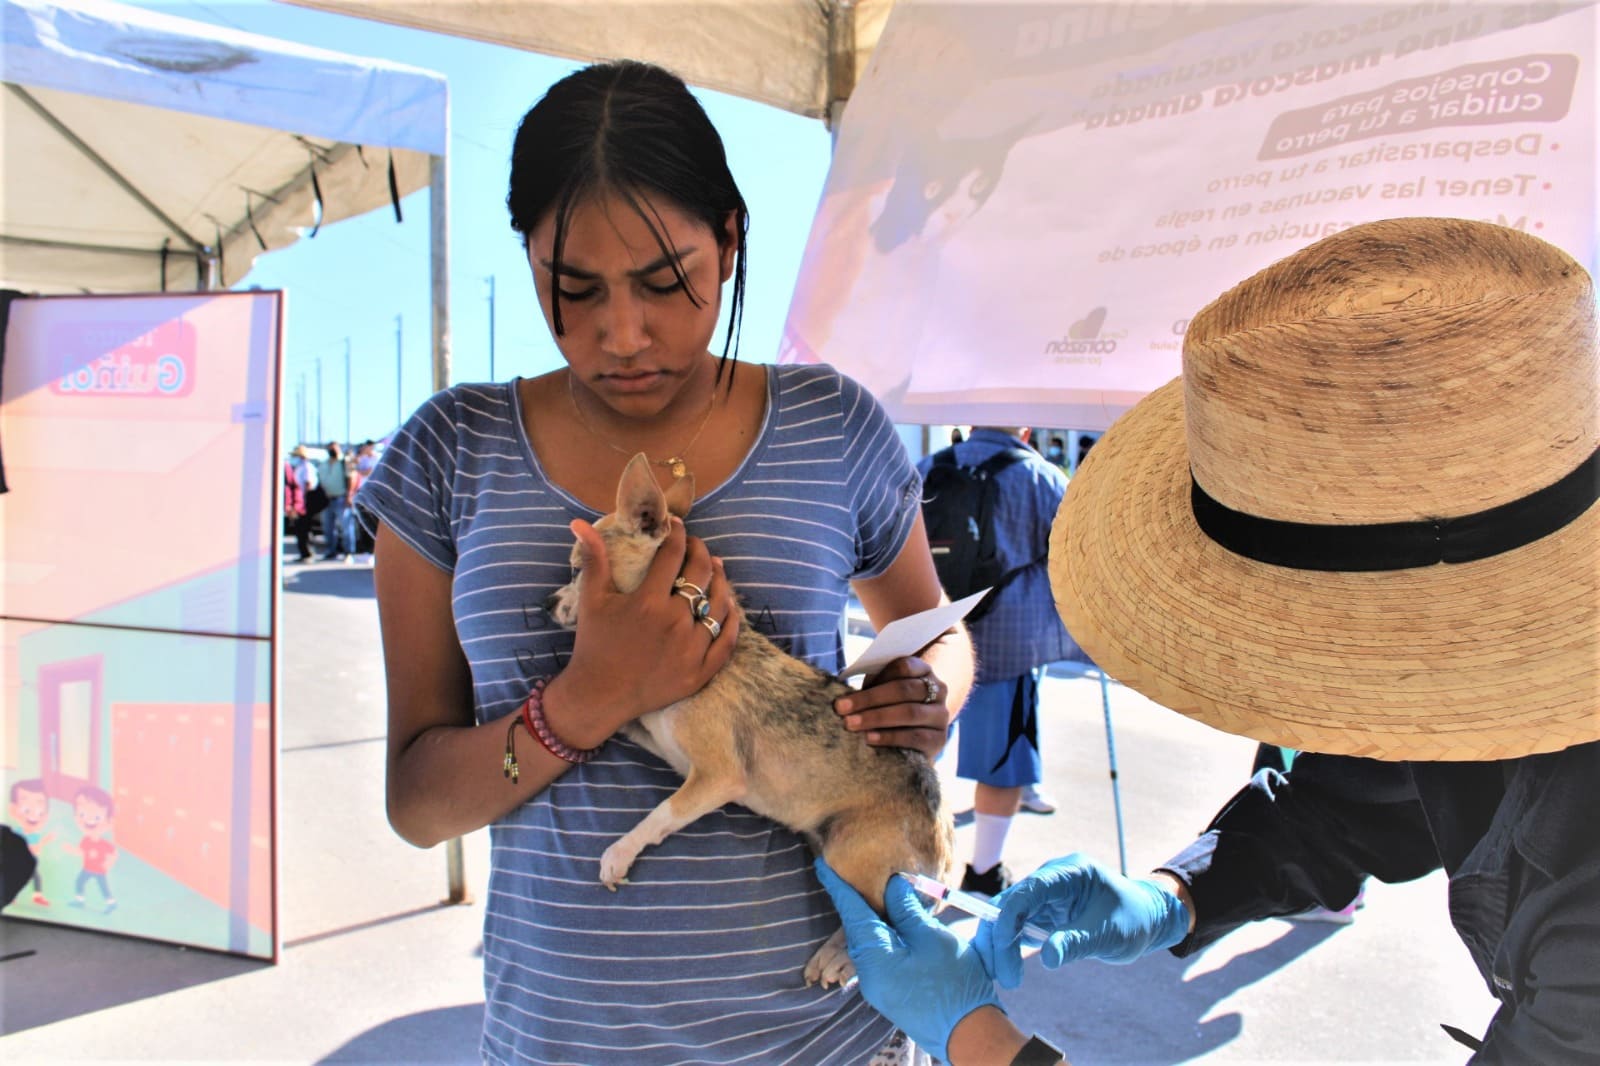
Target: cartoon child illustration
{"points": [[92, 809], [30, 809]]}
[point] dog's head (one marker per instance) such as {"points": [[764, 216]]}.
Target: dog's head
{"points": [[632, 534]]}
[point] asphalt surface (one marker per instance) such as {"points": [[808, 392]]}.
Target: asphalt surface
{"points": [[376, 968]]}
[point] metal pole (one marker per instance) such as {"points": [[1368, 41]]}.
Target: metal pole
{"points": [[347, 437], [439, 259], [1111, 758], [397, 347], [490, 280], [320, 437]]}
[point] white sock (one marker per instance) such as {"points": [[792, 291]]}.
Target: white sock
{"points": [[989, 840]]}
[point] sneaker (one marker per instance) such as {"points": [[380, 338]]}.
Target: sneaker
{"points": [[1343, 916], [990, 883], [38, 898], [1036, 801]]}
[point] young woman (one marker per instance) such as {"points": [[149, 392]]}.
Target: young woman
{"points": [[621, 192]]}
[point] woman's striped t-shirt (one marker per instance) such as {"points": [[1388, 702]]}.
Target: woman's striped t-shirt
{"points": [[698, 958]]}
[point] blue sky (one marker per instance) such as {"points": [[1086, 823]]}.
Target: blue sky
{"points": [[352, 280]]}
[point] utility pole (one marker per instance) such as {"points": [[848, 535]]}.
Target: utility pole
{"points": [[347, 390], [490, 280], [398, 413], [320, 437], [300, 409]]}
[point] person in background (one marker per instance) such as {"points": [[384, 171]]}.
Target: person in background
{"points": [[366, 462], [1085, 442], [998, 742], [1443, 628], [632, 225], [334, 473], [1055, 452], [294, 503]]}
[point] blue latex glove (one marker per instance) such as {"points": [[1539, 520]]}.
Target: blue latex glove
{"points": [[916, 973], [1090, 912]]}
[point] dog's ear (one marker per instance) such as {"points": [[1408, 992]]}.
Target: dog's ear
{"points": [[641, 505], [680, 496]]}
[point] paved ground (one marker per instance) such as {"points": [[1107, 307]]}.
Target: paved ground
{"points": [[375, 969]]}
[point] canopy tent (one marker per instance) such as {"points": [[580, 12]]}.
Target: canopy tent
{"points": [[803, 56], [145, 152]]}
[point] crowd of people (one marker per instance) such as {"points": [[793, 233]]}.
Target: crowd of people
{"points": [[318, 488]]}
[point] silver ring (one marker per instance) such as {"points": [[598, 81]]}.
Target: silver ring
{"points": [[932, 687], [679, 584], [699, 606], [713, 626]]}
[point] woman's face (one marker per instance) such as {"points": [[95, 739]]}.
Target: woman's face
{"points": [[631, 334]]}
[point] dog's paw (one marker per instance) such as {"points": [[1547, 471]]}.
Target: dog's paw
{"points": [[614, 866], [831, 964]]}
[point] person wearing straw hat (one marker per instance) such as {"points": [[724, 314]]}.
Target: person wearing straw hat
{"points": [[1299, 541]]}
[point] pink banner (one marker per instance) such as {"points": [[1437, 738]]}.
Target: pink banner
{"points": [[137, 612], [1028, 201]]}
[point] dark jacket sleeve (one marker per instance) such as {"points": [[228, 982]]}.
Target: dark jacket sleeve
{"points": [[1545, 968], [1289, 842]]}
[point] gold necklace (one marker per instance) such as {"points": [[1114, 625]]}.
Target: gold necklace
{"points": [[675, 462]]}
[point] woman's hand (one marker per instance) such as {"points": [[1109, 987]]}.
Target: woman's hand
{"points": [[640, 651], [901, 706]]}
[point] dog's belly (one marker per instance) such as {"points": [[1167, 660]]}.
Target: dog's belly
{"points": [[653, 731]]}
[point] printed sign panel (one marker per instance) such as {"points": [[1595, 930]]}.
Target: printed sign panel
{"points": [[137, 610], [1029, 201]]}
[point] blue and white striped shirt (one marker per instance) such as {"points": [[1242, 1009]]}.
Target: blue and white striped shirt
{"points": [[698, 958]]}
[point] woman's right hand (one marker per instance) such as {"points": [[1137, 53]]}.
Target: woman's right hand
{"points": [[643, 650]]}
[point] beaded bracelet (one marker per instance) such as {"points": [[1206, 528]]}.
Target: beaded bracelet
{"points": [[533, 718]]}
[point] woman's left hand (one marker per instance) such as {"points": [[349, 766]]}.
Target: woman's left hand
{"points": [[901, 706]]}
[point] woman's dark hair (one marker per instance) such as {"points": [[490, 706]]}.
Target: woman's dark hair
{"points": [[632, 130]]}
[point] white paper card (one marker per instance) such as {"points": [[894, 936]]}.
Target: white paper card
{"points": [[909, 635]]}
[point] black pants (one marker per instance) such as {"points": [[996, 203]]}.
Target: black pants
{"points": [[302, 534]]}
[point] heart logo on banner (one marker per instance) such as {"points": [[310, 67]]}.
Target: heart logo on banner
{"points": [[1088, 327]]}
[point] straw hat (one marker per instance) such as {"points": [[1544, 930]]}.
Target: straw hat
{"points": [[1398, 372]]}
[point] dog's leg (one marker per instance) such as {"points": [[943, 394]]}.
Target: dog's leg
{"points": [[831, 964], [700, 794]]}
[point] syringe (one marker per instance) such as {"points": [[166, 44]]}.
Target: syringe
{"points": [[967, 903]]}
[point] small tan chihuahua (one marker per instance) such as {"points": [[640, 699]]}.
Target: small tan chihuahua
{"points": [[763, 733]]}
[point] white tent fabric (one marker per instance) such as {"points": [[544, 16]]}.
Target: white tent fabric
{"points": [[803, 56], [145, 152]]}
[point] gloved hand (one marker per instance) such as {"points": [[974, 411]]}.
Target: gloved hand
{"points": [[1090, 912], [916, 973]]}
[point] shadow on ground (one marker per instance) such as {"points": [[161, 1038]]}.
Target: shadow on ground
{"points": [[397, 1040], [330, 579], [53, 972], [1152, 1012]]}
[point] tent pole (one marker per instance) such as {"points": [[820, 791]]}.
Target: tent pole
{"points": [[439, 259], [439, 255]]}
